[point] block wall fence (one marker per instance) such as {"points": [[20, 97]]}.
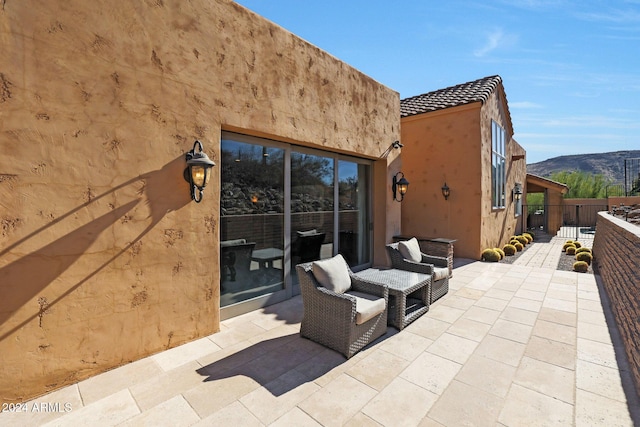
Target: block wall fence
{"points": [[616, 249]]}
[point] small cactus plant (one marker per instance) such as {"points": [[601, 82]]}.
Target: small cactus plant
{"points": [[509, 250], [530, 234], [582, 249], [519, 246], [571, 250], [580, 266], [528, 237], [577, 244], [584, 256], [500, 252], [490, 255], [522, 240], [569, 244]]}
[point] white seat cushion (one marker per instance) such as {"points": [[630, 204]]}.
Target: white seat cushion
{"points": [[367, 306], [440, 273], [410, 249], [333, 274]]}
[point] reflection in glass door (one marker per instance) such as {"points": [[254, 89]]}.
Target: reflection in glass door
{"points": [[251, 220], [312, 209], [353, 212], [282, 205]]}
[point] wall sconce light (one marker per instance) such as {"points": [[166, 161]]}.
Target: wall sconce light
{"points": [[395, 145], [399, 186], [198, 171], [517, 191], [446, 192]]}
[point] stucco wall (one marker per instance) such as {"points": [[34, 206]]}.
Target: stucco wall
{"points": [[443, 146], [103, 257], [454, 145], [616, 249], [627, 201], [498, 225]]}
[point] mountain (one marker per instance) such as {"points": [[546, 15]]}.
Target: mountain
{"points": [[611, 165]]}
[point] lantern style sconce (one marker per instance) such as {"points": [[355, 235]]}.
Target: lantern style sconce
{"points": [[517, 191], [198, 171], [446, 192], [399, 186]]}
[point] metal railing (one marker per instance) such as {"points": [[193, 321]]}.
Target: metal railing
{"points": [[632, 177], [569, 221]]}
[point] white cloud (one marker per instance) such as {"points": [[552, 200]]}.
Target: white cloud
{"points": [[591, 122], [524, 105], [496, 39], [535, 4], [615, 15]]}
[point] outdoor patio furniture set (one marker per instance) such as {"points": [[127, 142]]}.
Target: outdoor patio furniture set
{"points": [[346, 311]]}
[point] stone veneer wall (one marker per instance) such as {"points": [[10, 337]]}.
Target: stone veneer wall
{"points": [[616, 250]]}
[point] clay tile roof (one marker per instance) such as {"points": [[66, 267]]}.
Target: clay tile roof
{"points": [[465, 93]]}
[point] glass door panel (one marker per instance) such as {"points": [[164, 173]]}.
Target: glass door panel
{"points": [[312, 208], [353, 212], [251, 220]]}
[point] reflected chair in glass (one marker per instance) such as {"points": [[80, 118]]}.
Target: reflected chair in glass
{"points": [[306, 247]]}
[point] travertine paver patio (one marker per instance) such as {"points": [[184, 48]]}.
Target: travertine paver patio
{"points": [[511, 344]]}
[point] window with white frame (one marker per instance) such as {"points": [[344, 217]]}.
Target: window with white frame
{"points": [[498, 163]]}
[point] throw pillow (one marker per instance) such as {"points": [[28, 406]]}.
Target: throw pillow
{"points": [[332, 273], [410, 249]]}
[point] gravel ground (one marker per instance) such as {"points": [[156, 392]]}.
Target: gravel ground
{"points": [[565, 263]]}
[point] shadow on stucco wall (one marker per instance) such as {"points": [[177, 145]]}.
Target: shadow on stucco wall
{"points": [[160, 191]]}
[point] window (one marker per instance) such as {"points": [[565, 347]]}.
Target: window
{"points": [[498, 163]]}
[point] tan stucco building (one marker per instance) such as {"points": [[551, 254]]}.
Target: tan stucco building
{"points": [[552, 211], [104, 258], [462, 136]]}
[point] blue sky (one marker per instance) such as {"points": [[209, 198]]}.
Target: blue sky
{"points": [[571, 69]]}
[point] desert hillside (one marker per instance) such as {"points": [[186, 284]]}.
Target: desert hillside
{"points": [[610, 164]]}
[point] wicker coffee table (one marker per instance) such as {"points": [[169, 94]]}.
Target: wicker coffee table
{"points": [[408, 293]]}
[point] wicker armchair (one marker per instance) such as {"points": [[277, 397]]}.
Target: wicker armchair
{"points": [[331, 319], [437, 267]]}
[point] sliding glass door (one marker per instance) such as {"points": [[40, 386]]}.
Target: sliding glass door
{"points": [[281, 205], [252, 222], [353, 212], [312, 208]]}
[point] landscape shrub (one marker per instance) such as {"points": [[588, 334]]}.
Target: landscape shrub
{"points": [[584, 256], [490, 255], [580, 266], [500, 252], [509, 249], [571, 250]]}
